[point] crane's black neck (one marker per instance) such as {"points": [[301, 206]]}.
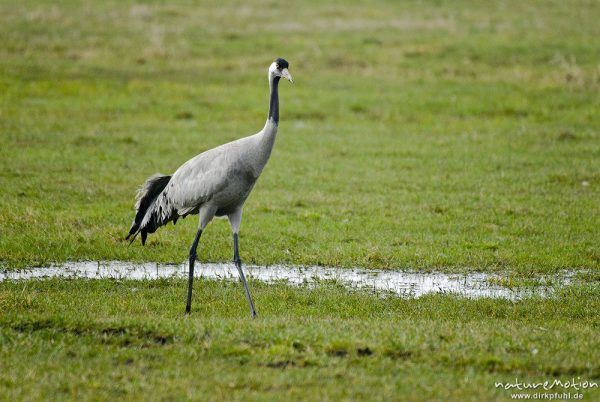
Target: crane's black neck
{"points": [[274, 100]]}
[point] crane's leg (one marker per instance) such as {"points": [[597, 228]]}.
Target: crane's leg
{"points": [[188, 306], [206, 214], [238, 264], [235, 219]]}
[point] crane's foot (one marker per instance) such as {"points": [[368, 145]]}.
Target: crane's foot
{"points": [[238, 264]]}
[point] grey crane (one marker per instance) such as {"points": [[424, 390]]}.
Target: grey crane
{"points": [[213, 183]]}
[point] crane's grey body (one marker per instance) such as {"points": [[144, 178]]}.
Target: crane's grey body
{"points": [[216, 182]]}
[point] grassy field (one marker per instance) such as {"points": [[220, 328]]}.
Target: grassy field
{"points": [[429, 135], [449, 135], [103, 340]]}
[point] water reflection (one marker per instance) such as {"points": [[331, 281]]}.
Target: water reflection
{"points": [[402, 283]]}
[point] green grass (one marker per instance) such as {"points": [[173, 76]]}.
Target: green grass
{"points": [[130, 340], [448, 135]]}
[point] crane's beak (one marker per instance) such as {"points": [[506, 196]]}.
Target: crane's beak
{"points": [[286, 74]]}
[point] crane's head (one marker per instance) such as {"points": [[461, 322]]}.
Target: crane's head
{"points": [[279, 68]]}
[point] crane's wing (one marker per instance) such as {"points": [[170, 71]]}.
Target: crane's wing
{"points": [[193, 184], [196, 182]]}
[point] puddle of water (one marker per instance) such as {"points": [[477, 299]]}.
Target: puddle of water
{"points": [[402, 283]]}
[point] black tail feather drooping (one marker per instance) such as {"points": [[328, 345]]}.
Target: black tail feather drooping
{"points": [[146, 196]]}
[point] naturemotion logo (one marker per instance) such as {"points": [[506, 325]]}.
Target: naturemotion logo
{"points": [[574, 384]]}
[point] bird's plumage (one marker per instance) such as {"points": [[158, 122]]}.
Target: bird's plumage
{"points": [[145, 201], [216, 182], [221, 177]]}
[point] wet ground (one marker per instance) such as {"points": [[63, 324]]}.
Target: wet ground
{"points": [[402, 283]]}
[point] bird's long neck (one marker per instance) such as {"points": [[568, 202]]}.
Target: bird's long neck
{"points": [[274, 100], [266, 138]]}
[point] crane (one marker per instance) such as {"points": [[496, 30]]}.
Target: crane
{"points": [[216, 182]]}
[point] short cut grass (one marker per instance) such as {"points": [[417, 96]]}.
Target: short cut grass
{"points": [[129, 340], [424, 135]]}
